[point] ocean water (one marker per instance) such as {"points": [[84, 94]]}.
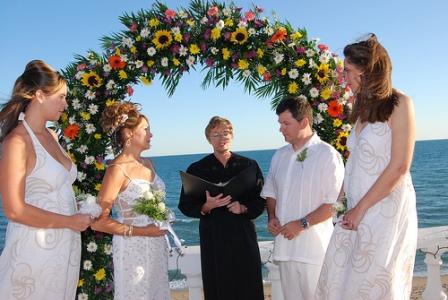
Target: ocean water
{"points": [[429, 172]]}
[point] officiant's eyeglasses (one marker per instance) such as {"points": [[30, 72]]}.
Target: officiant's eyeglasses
{"points": [[223, 135]]}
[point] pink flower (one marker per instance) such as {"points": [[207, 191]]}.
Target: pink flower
{"points": [[133, 27], [249, 15], [212, 11], [130, 90], [170, 14], [81, 67]]}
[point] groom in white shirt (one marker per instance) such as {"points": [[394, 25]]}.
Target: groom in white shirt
{"points": [[304, 180]]}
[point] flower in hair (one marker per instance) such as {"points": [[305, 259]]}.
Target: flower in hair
{"points": [[121, 120]]}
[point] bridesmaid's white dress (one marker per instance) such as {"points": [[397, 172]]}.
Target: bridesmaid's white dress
{"points": [[38, 263], [377, 260], [140, 263]]}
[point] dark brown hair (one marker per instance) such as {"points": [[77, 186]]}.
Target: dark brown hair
{"points": [[118, 116], [217, 121], [298, 107], [37, 76], [376, 98]]}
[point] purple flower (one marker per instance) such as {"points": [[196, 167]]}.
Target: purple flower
{"points": [[175, 49], [98, 290], [300, 50], [258, 23], [207, 34], [227, 35], [109, 288], [210, 62], [251, 54], [203, 47], [186, 37]]}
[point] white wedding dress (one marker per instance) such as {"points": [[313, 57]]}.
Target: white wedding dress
{"points": [[39, 263], [140, 263], [376, 261]]}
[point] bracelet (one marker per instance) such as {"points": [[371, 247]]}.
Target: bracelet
{"points": [[131, 229], [125, 230]]}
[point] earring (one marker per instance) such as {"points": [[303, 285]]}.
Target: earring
{"points": [[127, 143]]}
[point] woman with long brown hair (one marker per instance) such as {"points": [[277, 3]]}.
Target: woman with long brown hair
{"points": [[42, 250], [372, 250]]}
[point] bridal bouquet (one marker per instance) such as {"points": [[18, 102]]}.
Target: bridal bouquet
{"points": [[88, 205], [152, 204]]}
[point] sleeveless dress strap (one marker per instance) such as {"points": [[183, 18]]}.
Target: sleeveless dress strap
{"points": [[28, 129], [122, 170]]}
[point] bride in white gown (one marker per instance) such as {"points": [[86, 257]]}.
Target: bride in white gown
{"points": [[140, 253], [42, 250]]}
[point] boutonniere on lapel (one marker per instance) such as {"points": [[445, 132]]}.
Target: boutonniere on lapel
{"points": [[302, 155]]}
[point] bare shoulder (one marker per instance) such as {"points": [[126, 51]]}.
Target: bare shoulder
{"points": [[404, 101], [17, 140], [53, 133], [404, 111], [148, 163]]}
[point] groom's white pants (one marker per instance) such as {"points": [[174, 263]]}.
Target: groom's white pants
{"points": [[299, 280]]}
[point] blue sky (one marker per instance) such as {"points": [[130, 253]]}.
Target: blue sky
{"points": [[413, 33]]}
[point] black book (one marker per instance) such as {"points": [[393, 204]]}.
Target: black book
{"points": [[238, 185]]}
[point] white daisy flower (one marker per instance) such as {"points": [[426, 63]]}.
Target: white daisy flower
{"points": [[306, 78], [89, 160], [110, 85], [220, 24], [93, 109], [291, 45], [309, 52], [81, 176], [127, 41], [190, 60], [145, 32], [90, 128], [138, 64], [175, 30], [183, 14], [204, 20], [72, 120], [242, 24], [164, 62], [278, 57], [252, 31], [322, 107], [325, 57], [87, 265], [314, 92], [124, 57], [226, 11], [90, 95], [82, 149], [151, 51], [107, 68], [75, 104], [108, 249], [79, 74], [92, 247], [214, 50], [318, 119], [311, 63], [246, 73], [269, 30], [83, 296], [346, 127], [183, 51], [349, 105], [293, 73]]}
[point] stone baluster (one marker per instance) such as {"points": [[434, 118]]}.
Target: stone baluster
{"points": [[433, 290]]}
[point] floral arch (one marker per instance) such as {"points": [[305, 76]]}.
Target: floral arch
{"points": [[270, 58]]}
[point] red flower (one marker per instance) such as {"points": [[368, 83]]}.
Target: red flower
{"points": [[212, 11], [280, 35], [334, 109], [249, 15], [170, 14], [71, 131], [267, 76], [130, 90], [322, 47], [116, 62], [81, 67]]}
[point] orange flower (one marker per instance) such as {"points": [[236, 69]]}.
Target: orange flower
{"points": [[116, 63], [280, 35], [71, 131], [335, 109]]}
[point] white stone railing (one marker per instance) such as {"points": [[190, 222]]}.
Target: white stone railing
{"points": [[433, 241]]}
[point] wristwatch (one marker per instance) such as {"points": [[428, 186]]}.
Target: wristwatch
{"points": [[305, 223]]}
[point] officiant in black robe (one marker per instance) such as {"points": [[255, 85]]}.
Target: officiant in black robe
{"points": [[230, 257]]}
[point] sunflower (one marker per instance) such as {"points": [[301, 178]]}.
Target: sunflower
{"points": [[239, 36], [162, 39], [322, 73], [71, 131], [334, 109], [326, 93], [341, 141], [194, 49], [91, 80]]}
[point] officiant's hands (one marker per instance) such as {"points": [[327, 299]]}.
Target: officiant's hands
{"points": [[237, 208], [214, 202]]}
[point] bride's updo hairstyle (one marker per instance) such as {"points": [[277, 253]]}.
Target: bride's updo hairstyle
{"points": [[118, 116]]}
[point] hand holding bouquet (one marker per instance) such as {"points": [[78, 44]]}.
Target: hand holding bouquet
{"points": [[88, 205]]}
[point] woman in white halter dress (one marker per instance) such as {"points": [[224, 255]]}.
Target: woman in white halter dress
{"points": [[42, 250], [140, 253]]}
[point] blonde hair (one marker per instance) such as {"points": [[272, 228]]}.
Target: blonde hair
{"points": [[37, 76], [118, 116], [217, 121]]}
